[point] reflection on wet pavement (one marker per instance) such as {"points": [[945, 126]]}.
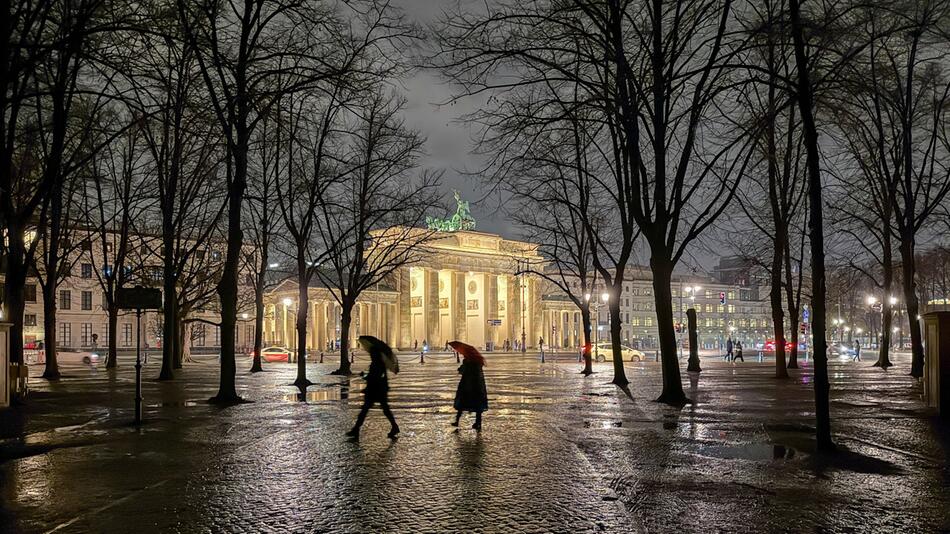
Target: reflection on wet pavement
{"points": [[558, 453]]}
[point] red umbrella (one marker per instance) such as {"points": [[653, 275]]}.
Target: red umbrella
{"points": [[468, 352]]}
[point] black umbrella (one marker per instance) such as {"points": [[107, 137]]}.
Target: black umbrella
{"points": [[374, 345]]}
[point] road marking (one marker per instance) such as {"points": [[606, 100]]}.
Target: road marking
{"points": [[106, 507]]}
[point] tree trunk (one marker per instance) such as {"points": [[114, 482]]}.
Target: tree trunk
{"points": [[585, 323], [13, 293], [258, 325], [228, 285], [620, 377], [303, 309], [51, 372], [913, 306], [672, 393], [778, 312], [793, 306], [887, 312], [693, 366], [112, 360], [816, 235], [346, 316], [179, 348], [169, 312]]}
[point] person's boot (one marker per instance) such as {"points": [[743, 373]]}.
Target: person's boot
{"points": [[394, 432], [354, 433], [478, 422], [457, 417]]}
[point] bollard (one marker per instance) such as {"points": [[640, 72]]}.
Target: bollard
{"points": [[656, 355], [542, 356], [352, 357], [457, 360], [422, 357], [321, 356]]}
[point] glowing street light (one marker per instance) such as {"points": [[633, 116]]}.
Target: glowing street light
{"points": [[287, 302], [871, 300], [893, 301]]}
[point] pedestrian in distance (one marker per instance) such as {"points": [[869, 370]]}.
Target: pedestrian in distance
{"points": [[415, 344], [857, 351], [738, 352], [729, 347], [377, 384], [471, 395], [541, 345]]}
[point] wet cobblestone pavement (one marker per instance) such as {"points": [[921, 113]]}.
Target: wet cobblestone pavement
{"points": [[558, 453]]}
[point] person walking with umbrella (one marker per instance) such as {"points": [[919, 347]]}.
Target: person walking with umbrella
{"points": [[377, 383], [471, 395]]}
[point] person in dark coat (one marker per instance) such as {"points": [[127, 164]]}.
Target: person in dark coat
{"points": [[377, 390], [729, 348], [471, 395], [738, 353]]}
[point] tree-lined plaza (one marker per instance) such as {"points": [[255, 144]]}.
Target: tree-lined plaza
{"points": [[669, 187]]}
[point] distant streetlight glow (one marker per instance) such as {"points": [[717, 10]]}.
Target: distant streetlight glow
{"points": [[288, 302], [605, 297], [274, 265], [893, 301], [871, 300]]}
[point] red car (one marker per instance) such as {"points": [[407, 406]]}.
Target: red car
{"points": [[275, 354], [770, 346]]}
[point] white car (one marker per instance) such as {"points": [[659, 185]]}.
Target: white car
{"points": [[90, 358], [605, 351]]}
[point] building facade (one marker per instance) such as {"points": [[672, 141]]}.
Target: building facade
{"points": [[82, 319], [464, 285]]}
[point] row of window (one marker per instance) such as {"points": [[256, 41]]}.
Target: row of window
{"points": [[88, 338]]}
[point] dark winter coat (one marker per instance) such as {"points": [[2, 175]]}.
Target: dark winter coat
{"points": [[377, 382], [471, 395]]}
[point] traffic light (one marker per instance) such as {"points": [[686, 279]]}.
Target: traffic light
{"points": [[722, 298]]}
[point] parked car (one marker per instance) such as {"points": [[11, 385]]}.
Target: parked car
{"points": [[603, 351], [275, 354], [770, 346], [75, 357]]}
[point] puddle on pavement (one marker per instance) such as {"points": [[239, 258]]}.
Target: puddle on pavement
{"points": [[748, 451], [186, 404]]}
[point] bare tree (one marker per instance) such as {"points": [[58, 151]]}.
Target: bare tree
{"points": [[311, 167], [117, 196], [656, 73], [369, 218], [43, 50], [250, 54]]}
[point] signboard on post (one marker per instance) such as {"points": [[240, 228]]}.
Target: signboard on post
{"points": [[494, 322], [805, 315], [138, 298]]}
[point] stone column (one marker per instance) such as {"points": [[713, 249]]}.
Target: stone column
{"points": [[514, 309], [491, 305], [458, 297], [431, 309], [403, 309], [534, 308]]}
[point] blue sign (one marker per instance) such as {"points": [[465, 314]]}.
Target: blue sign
{"points": [[805, 315]]}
